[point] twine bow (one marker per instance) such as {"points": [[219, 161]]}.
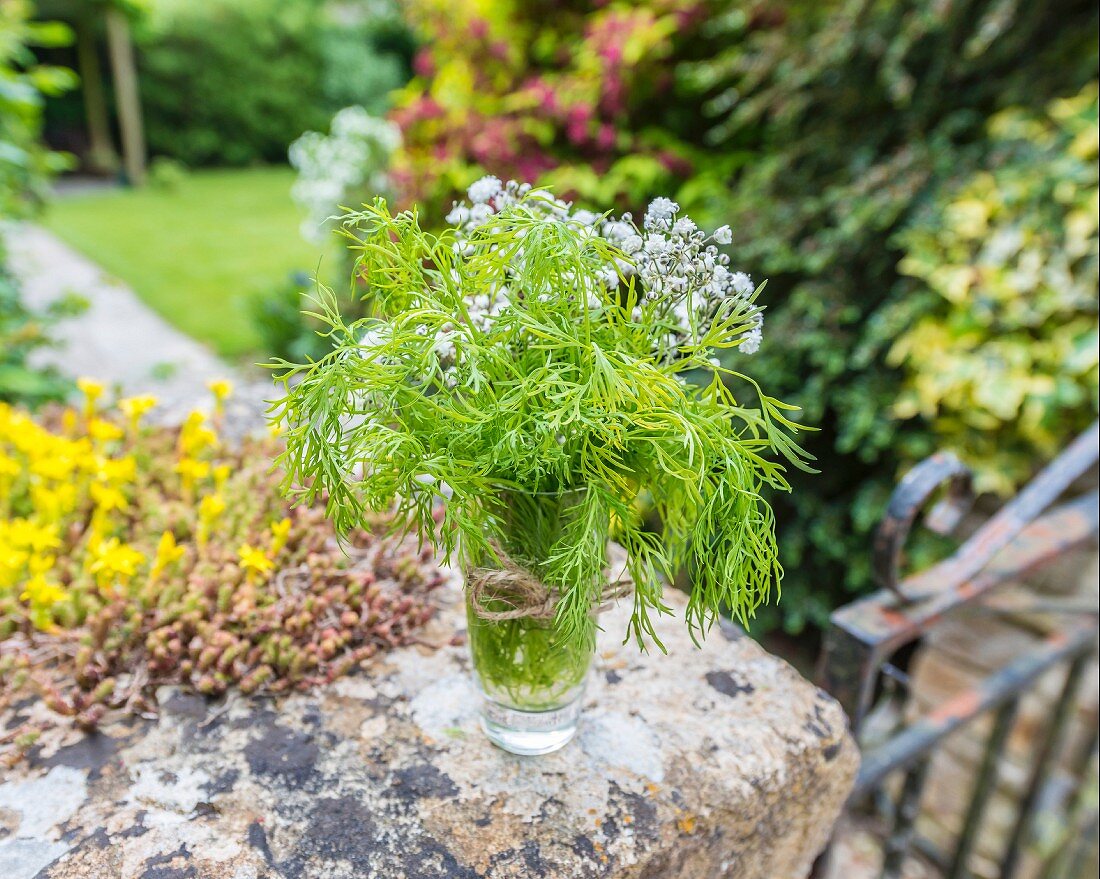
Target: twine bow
{"points": [[525, 594]]}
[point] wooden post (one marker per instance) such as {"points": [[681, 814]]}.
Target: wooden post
{"points": [[126, 94], [101, 149]]}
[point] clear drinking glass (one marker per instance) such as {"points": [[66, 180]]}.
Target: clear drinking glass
{"points": [[531, 683], [531, 679]]}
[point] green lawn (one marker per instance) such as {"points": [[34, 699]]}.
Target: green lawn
{"points": [[196, 252]]}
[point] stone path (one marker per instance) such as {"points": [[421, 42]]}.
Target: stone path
{"points": [[118, 340]]}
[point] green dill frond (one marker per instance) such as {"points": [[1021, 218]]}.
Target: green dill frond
{"points": [[504, 369]]}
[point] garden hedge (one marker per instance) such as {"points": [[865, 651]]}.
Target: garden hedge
{"points": [[25, 169], [838, 139], [233, 82]]}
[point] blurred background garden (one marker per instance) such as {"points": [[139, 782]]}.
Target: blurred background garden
{"points": [[917, 181]]}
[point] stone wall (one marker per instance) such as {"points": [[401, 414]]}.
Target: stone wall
{"points": [[720, 762]]}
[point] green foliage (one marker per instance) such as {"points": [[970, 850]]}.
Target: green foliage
{"points": [[281, 318], [25, 164], [229, 82], [25, 168], [820, 131], [22, 332], [278, 320], [1002, 361], [524, 663], [567, 386], [167, 174], [365, 55], [235, 81], [832, 124]]}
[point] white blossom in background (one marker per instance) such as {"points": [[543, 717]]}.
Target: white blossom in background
{"points": [[346, 167]]}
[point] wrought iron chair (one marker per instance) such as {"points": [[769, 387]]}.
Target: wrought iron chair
{"points": [[857, 666]]}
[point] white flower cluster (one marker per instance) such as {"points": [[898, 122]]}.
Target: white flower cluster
{"points": [[683, 276], [488, 197], [688, 279], [685, 282], [346, 167]]}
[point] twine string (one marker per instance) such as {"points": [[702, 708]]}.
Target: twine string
{"points": [[526, 596]]}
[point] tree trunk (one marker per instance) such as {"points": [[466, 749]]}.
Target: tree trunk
{"points": [[101, 151], [126, 94]]}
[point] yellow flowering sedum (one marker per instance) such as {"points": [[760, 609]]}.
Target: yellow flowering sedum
{"points": [[92, 391], [211, 508], [221, 388], [135, 561], [280, 531], [113, 563], [254, 560], [93, 506], [41, 595], [134, 408], [168, 553]]}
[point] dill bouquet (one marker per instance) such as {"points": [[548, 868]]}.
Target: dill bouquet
{"points": [[553, 374]]}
